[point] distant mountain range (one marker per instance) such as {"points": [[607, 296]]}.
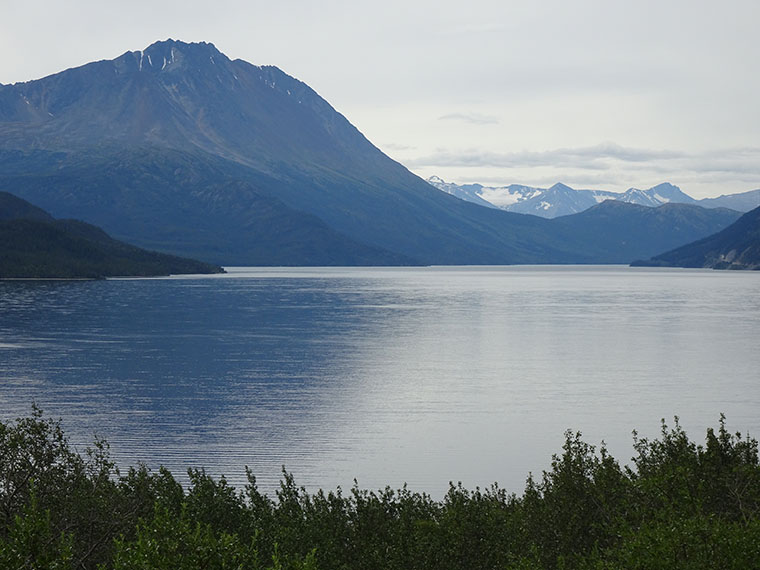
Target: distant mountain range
{"points": [[179, 149], [35, 245], [562, 200], [735, 247]]}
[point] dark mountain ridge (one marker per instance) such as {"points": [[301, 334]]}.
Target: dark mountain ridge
{"points": [[35, 245], [614, 223], [735, 247], [14, 208], [181, 149]]}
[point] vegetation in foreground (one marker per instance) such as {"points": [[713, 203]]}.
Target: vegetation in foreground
{"points": [[680, 505]]}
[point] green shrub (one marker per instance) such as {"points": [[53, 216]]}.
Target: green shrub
{"points": [[679, 505]]}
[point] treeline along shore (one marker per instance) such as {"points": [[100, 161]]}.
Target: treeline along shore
{"points": [[679, 505]]}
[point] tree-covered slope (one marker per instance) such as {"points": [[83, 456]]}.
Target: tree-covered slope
{"points": [[14, 208], [34, 245], [623, 231], [189, 203], [735, 247]]}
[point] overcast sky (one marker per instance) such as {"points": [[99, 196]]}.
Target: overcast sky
{"points": [[597, 94]]}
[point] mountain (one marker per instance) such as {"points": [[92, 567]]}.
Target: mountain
{"points": [[611, 230], [743, 202], [179, 149], [664, 193], [466, 192], [561, 200], [557, 200], [735, 247], [14, 208], [625, 230], [35, 245]]}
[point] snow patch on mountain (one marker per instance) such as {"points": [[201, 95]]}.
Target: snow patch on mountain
{"points": [[562, 200], [506, 196]]}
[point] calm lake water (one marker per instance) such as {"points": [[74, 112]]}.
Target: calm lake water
{"points": [[417, 375]]}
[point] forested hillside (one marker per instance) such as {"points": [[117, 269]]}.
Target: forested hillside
{"points": [[34, 246]]}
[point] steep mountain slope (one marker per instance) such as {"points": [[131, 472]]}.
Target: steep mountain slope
{"points": [[735, 247], [191, 204], [35, 245], [631, 231], [180, 149]]}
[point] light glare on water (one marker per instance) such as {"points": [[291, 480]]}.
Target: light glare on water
{"points": [[417, 375]]}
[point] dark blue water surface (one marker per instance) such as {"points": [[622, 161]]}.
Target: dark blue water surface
{"points": [[384, 375]]}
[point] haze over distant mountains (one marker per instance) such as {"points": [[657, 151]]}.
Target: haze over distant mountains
{"points": [[562, 200], [179, 149]]}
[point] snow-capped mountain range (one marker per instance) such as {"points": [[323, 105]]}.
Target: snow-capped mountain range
{"points": [[562, 200]]}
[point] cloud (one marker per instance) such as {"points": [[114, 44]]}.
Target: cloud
{"points": [[397, 147], [601, 157], [472, 118], [610, 166]]}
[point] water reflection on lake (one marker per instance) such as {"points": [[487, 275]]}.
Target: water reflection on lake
{"points": [[423, 375]]}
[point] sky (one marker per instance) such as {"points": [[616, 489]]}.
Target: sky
{"points": [[606, 94]]}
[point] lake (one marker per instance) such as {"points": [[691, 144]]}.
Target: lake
{"points": [[386, 375]]}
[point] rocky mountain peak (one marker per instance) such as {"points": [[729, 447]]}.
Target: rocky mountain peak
{"points": [[173, 55], [560, 187]]}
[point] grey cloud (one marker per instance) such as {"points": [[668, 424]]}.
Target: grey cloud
{"points": [[609, 166], [745, 161], [602, 157], [484, 159], [397, 147], [472, 118], [594, 157]]}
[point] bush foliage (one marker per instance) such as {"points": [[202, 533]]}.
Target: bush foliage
{"points": [[679, 505]]}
